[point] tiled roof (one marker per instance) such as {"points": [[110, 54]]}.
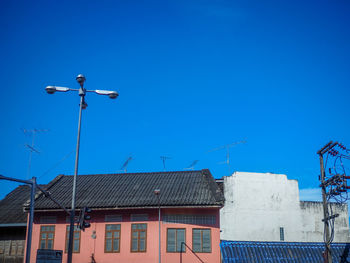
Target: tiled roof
{"points": [[271, 252], [183, 188], [11, 207]]}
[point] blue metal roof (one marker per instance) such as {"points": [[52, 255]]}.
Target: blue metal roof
{"points": [[291, 252]]}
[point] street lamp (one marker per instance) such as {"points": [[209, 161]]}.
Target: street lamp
{"points": [[157, 193], [82, 92]]}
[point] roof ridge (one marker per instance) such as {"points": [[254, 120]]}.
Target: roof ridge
{"points": [[160, 172], [11, 193], [38, 193]]}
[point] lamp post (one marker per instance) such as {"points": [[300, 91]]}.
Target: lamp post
{"points": [[82, 92], [157, 193]]}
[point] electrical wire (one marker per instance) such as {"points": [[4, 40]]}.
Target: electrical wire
{"points": [[56, 164]]}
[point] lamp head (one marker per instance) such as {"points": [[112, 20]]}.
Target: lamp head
{"points": [[113, 95], [109, 93], [50, 89], [81, 79]]}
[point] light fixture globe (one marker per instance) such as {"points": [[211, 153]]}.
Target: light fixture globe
{"points": [[50, 89], [81, 79], [113, 94]]}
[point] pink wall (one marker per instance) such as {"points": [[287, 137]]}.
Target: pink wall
{"points": [[89, 246]]}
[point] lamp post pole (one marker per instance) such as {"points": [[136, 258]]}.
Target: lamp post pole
{"points": [[157, 193], [81, 80], [82, 92]]}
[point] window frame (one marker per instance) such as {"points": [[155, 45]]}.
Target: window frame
{"points": [[201, 231], [67, 239], [46, 239], [281, 233], [174, 228], [112, 231], [138, 238]]}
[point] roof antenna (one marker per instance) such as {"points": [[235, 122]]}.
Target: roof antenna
{"points": [[31, 148], [227, 147], [192, 165], [164, 158], [125, 165]]}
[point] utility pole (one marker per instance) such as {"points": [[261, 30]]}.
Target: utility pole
{"points": [[33, 186], [326, 217]]}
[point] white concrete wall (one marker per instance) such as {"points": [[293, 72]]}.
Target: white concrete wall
{"points": [[313, 227], [258, 204]]}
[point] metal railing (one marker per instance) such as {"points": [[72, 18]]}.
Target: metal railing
{"points": [[194, 253]]}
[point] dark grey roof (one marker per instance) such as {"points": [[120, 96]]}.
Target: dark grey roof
{"points": [[182, 188], [246, 252], [11, 207]]}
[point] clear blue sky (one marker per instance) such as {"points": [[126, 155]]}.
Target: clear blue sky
{"points": [[192, 76]]}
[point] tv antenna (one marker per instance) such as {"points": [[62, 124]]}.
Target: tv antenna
{"points": [[192, 165], [227, 147], [31, 148], [125, 165], [164, 158]]}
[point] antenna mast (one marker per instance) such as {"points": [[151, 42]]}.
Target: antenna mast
{"points": [[164, 158], [227, 147], [31, 148], [125, 165], [192, 165]]}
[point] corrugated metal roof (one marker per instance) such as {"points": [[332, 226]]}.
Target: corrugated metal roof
{"points": [[11, 207], [182, 188], [291, 252]]}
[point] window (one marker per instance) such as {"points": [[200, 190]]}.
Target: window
{"points": [[138, 237], [201, 240], [281, 234], [139, 217], [76, 219], [190, 219], [47, 220], [47, 234], [113, 218], [175, 239], [112, 239], [76, 239]]}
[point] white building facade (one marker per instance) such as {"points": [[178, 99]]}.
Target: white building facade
{"points": [[266, 207]]}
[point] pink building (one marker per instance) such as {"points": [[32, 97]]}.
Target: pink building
{"points": [[124, 221]]}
